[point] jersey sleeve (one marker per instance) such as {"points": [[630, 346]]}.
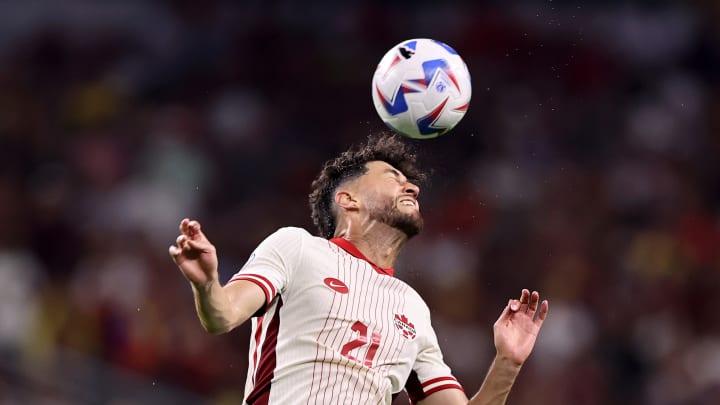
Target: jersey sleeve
{"points": [[430, 374], [272, 264]]}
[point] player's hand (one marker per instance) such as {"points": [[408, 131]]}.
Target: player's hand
{"points": [[518, 326], [194, 254]]}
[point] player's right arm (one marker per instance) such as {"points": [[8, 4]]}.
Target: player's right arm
{"points": [[220, 308]]}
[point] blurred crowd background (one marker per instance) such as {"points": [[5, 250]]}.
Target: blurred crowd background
{"points": [[586, 168]]}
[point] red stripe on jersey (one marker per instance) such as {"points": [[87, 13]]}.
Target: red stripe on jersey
{"points": [[416, 391], [444, 387], [258, 333], [434, 380], [260, 281], [350, 248], [272, 287], [268, 360]]}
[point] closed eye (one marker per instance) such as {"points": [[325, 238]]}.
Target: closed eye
{"points": [[397, 175]]}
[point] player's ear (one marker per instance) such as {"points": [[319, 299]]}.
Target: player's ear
{"points": [[344, 199]]}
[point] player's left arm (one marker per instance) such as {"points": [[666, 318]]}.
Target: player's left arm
{"points": [[515, 331]]}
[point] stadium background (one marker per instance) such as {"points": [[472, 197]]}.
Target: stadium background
{"points": [[585, 168]]}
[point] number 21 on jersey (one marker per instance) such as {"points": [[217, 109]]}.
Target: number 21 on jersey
{"points": [[364, 338]]}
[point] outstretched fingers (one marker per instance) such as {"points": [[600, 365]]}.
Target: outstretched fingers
{"points": [[191, 240], [524, 300], [534, 300], [189, 226], [174, 251], [529, 303], [194, 228], [542, 314], [177, 249], [521, 304], [184, 225]]}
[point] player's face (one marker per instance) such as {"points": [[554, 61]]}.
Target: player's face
{"points": [[391, 199]]}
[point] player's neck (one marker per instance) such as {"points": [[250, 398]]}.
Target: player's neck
{"points": [[378, 242]]}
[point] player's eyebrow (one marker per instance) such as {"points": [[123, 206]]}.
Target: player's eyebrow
{"points": [[396, 173]]}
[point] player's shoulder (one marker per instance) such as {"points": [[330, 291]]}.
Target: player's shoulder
{"points": [[297, 242], [294, 233], [418, 300]]}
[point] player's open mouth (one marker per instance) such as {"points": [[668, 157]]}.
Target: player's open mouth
{"points": [[407, 202]]}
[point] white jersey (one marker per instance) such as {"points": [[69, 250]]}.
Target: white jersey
{"points": [[336, 329]]}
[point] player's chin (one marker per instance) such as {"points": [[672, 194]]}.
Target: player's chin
{"points": [[411, 229], [412, 211], [410, 223]]}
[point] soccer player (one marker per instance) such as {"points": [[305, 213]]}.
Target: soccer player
{"points": [[331, 324]]}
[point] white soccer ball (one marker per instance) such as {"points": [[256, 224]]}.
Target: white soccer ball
{"points": [[421, 88]]}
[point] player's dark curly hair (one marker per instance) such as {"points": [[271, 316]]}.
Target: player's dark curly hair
{"points": [[350, 164]]}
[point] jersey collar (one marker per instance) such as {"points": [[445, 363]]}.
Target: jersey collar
{"points": [[347, 246]]}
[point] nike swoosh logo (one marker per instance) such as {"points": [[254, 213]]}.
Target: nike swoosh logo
{"points": [[336, 285]]}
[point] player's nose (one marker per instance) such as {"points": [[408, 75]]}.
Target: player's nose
{"points": [[411, 188]]}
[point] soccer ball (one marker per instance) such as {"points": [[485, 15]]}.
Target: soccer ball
{"points": [[421, 88]]}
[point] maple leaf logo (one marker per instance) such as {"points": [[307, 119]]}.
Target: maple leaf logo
{"points": [[406, 328]]}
